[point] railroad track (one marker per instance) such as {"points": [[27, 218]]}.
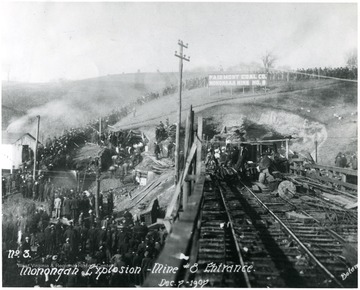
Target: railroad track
{"points": [[240, 227]]}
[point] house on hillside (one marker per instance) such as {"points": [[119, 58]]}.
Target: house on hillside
{"points": [[16, 148]]}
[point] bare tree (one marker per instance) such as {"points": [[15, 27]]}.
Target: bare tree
{"points": [[268, 60], [351, 59]]}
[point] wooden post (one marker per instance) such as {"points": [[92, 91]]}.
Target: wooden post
{"points": [[100, 130], [343, 179], [287, 148], [199, 147], [316, 151], [36, 145], [188, 133], [97, 188], [97, 195], [177, 151], [192, 136], [302, 168]]}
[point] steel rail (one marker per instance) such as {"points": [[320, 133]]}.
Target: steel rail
{"points": [[330, 231], [296, 239], [246, 276]]}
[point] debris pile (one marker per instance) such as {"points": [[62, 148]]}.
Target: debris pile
{"points": [[150, 163]]}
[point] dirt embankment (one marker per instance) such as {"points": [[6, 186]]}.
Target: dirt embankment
{"points": [[265, 122], [323, 110]]}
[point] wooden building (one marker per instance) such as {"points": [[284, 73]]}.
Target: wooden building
{"points": [[16, 148]]}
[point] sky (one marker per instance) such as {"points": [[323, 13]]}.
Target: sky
{"points": [[47, 41]]}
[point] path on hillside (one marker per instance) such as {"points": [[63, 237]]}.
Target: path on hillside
{"points": [[153, 112]]}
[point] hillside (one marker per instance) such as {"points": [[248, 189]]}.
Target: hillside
{"points": [[313, 109], [306, 110], [67, 104]]}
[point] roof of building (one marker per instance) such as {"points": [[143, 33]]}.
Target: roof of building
{"points": [[11, 138]]}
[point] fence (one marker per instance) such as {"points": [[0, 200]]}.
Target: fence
{"points": [[344, 178]]}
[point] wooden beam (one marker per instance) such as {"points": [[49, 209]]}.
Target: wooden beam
{"points": [[175, 197], [335, 181], [199, 145], [188, 137], [333, 168]]}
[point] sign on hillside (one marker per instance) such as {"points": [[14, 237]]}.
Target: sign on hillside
{"points": [[241, 80]]}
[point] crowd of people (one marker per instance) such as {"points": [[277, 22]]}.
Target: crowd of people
{"points": [[57, 153], [106, 242], [343, 162], [337, 72], [230, 160], [165, 135]]}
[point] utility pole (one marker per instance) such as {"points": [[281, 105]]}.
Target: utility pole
{"points": [[100, 130], [36, 146], [97, 195], [177, 152]]}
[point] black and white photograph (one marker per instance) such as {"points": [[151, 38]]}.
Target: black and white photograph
{"points": [[179, 144]]}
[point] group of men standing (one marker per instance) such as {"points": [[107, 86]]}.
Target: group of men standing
{"points": [[101, 242], [341, 161]]}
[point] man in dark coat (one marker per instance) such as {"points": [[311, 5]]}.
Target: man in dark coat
{"points": [[29, 186], [264, 166], [234, 155], [243, 158], [66, 249], [110, 202], [353, 162], [40, 237], [66, 207], [83, 237], [36, 190], [74, 208], [41, 189], [71, 235], [157, 150], [47, 234], [338, 160], [25, 248], [58, 232], [101, 236], [92, 236], [53, 246]]}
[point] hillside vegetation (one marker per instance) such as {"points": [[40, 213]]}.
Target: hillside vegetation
{"points": [[309, 110], [325, 110], [67, 104]]}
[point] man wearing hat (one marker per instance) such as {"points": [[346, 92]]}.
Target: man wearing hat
{"points": [[101, 236], [83, 237], [66, 249], [57, 206], [52, 240], [264, 165], [92, 235], [47, 236], [26, 245], [66, 208], [110, 201]]}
